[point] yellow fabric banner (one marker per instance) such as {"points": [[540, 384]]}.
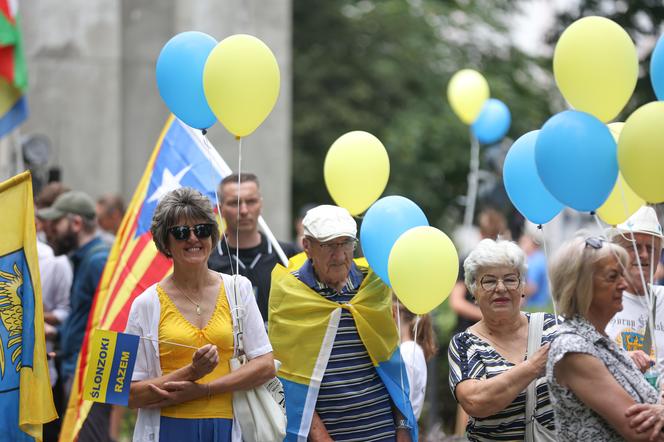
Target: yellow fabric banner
{"points": [[299, 318], [26, 400]]}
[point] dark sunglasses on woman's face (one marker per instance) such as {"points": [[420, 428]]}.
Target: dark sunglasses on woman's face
{"points": [[182, 233]]}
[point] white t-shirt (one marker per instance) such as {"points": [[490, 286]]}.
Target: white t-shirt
{"points": [[627, 328], [56, 277], [416, 370]]}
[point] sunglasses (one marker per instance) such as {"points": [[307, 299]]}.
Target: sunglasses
{"points": [[182, 233]]}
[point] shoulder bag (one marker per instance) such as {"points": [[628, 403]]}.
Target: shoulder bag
{"points": [[535, 432], [259, 411]]}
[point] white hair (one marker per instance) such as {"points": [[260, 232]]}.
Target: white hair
{"points": [[489, 253]]}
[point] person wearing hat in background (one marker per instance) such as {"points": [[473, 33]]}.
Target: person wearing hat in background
{"points": [[331, 327], [71, 228], [630, 327]]}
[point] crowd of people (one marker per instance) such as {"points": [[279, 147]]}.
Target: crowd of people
{"points": [[331, 328]]}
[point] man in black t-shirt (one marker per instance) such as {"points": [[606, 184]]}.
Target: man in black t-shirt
{"points": [[257, 255]]}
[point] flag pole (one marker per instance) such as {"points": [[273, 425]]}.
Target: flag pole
{"points": [[221, 165]]}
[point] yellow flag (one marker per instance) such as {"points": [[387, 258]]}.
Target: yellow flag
{"points": [[26, 401]]}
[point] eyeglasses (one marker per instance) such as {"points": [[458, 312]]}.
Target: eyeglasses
{"points": [[595, 242], [489, 283], [182, 233], [331, 247]]}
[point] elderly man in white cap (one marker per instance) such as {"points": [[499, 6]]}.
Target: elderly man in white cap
{"points": [[641, 236], [331, 327]]}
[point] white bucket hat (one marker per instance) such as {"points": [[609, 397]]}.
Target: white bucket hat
{"points": [[643, 220], [326, 222]]}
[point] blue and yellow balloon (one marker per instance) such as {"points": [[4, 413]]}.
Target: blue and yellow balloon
{"points": [[385, 221], [241, 82], [623, 201], [596, 66], [493, 122], [356, 170], [576, 160], [641, 151], [467, 92], [523, 184], [423, 267], [179, 75]]}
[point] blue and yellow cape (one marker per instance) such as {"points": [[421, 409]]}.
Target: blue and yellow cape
{"points": [[302, 328]]}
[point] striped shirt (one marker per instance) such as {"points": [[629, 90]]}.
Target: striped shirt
{"points": [[352, 402], [472, 358]]}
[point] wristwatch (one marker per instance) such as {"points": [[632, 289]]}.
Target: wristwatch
{"points": [[402, 424]]}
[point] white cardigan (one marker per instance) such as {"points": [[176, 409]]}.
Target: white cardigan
{"points": [[144, 321]]}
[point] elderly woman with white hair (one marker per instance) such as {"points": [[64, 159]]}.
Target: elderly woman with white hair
{"points": [[490, 367], [597, 391]]}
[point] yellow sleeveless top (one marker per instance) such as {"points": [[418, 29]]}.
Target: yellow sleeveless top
{"points": [[173, 327]]}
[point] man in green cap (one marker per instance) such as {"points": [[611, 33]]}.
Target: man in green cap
{"points": [[71, 228]]}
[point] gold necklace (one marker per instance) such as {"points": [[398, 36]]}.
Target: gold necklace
{"points": [[198, 305]]}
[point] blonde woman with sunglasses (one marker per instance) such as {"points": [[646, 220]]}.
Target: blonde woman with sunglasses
{"points": [[184, 394]]}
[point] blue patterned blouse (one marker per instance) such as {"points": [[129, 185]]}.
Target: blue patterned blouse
{"points": [[473, 358]]}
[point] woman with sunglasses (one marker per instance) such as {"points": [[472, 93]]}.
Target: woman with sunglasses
{"points": [[184, 394], [597, 391], [488, 369]]}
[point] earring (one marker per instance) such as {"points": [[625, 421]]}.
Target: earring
{"points": [[523, 296]]}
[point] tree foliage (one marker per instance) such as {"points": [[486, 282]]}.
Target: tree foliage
{"points": [[643, 22], [383, 66]]}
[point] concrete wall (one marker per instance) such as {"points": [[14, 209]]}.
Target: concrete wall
{"points": [[93, 91]]}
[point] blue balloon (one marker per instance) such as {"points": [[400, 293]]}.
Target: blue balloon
{"points": [[523, 184], [180, 77], [382, 225], [576, 159], [493, 122], [657, 68]]}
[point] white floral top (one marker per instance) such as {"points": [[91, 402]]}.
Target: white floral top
{"points": [[574, 420]]}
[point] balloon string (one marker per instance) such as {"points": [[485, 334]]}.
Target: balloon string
{"points": [[623, 197], [473, 177], [548, 279], [237, 227], [208, 154]]}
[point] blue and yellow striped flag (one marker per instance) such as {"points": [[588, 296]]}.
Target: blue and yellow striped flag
{"points": [[26, 401]]}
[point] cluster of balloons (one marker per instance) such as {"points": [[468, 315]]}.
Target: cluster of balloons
{"points": [[468, 95], [576, 159], [235, 81], [418, 261]]}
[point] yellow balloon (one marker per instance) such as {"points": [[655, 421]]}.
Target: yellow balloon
{"points": [[241, 83], [356, 170], [641, 151], [623, 201], [596, 66], [423, 267], [467, 91]]}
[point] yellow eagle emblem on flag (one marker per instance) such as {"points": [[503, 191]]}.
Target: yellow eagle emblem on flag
{"points": [[11, 314]]}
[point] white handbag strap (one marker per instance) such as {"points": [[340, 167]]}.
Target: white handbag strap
{"points": [[534, 343], [237, 311]]}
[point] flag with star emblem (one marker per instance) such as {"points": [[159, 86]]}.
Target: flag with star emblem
{"points": [[181, 158]]}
